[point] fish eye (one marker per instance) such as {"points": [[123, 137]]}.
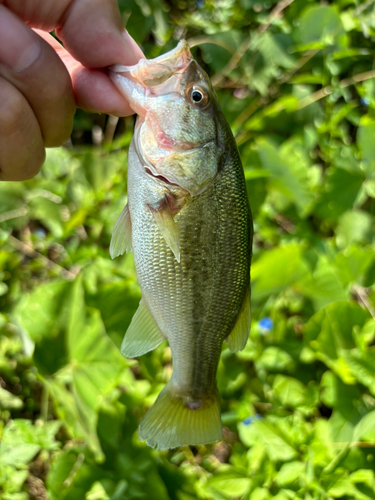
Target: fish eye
{"points": [[198, 96]]}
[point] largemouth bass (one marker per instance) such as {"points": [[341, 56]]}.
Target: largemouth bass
{"points": [[189, 225]]}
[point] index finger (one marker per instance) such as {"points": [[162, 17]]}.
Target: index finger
{"points": [[91, 30], [93, 90], [94, 37]]}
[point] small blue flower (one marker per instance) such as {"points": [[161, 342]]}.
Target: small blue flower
{"points": [[365, 101], [265, 325], [200, 4], [250, 420], [40, 233]]}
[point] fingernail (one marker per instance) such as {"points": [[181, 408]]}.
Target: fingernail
{"points": [[133, 48], [19, 47]]}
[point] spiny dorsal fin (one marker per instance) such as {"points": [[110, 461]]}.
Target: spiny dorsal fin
{"points": [[167, 226], [121, 240], [237, 339], [143, 333]]}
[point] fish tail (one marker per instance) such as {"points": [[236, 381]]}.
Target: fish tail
{"points": [[176, 421]]}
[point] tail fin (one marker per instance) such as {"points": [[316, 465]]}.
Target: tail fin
{"points": [[170, 422]]}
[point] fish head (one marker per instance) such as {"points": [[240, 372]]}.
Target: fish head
{"points": [[176, 131]]}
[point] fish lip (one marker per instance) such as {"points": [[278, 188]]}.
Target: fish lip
{"points": [[146, 79], [180, 54]]}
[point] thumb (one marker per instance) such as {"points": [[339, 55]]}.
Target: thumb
{"points": [[93, 33]]}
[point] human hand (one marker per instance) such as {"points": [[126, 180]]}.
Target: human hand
{"points": [[41, 82]]}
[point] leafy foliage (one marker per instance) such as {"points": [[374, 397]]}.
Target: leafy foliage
{"points": [[296, 81]]}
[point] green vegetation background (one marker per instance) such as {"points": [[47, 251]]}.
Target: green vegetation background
{"points": [[296, 82]]}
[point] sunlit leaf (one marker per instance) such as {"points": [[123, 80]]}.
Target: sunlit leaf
{"points": [[290, 391], [276, 269], [330, 334]]}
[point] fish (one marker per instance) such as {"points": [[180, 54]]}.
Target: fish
{"points": [[188, 222]]}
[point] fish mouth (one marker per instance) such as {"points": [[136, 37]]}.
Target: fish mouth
{"points": [[152, 78], [153, 72]]}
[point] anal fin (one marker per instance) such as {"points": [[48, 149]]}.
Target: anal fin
{"points": [[167, 226], [143, 334], [121, 240], [237, 339]]}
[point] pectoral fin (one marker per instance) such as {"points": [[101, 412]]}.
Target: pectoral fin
{"points": [[167, 226], [121, 241], [237, 339], [143, 333]]}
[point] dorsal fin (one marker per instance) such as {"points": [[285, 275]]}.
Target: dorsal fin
{"points": [[237, 338], [121, 240], [143, 334]]}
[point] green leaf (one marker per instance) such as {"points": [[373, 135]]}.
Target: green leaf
{"points": [[260, 494], [322, 286], [290, 473], [71, 476], [97, 492], [321, 446], [110, 299], [354, 226], [276, 269], [348, 485], [320, 23], [49, 213], [339, 193], [330, 334], [362, 366], [96, 364], [17, 454], [366, 138], [290, 391], [43, 314], [289, 172], [275, 443], [231, 483], [11, 482], [9, 400], [274, 359], [274, 49], [365, 428], [351, 264], [335, 394], [20, 432], [67, 333]]}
